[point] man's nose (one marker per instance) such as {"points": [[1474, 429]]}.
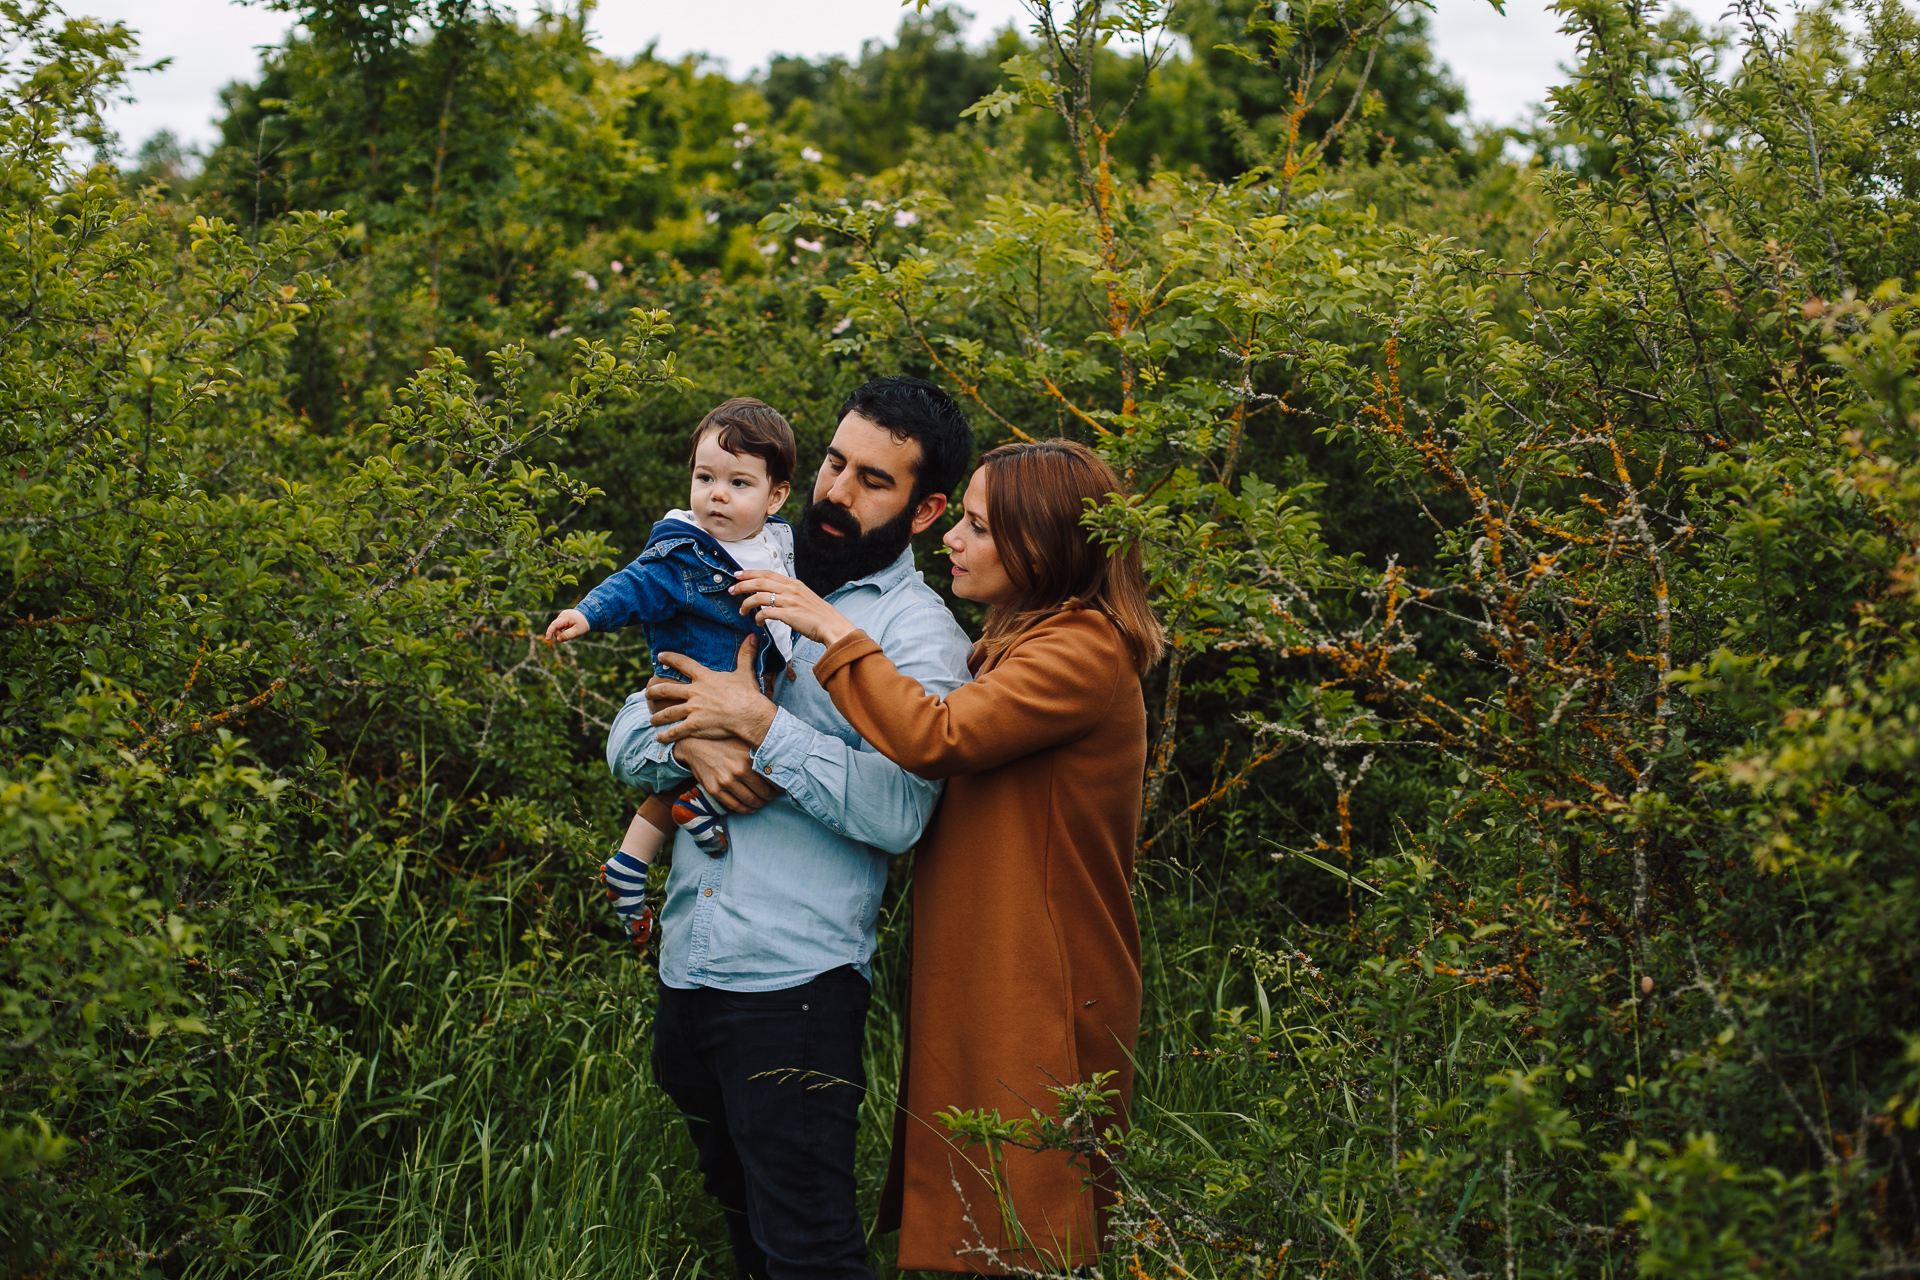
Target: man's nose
{"points": [[840, 492]]}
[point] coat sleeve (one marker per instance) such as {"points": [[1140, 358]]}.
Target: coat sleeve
{"points": [[1056, 684]]}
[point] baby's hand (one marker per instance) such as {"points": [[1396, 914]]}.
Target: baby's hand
{"points": [[568, 624]]}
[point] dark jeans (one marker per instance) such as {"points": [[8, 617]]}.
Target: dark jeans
{"points": [[771, 1084]]}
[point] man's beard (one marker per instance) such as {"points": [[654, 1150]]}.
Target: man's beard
{"points": [[826, 562]]}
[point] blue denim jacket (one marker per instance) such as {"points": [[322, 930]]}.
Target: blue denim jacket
{"points": [[677, 590], [799, 890]]}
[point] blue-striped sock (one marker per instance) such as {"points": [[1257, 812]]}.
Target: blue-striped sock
{"points": [[625, 879], [702, 817]]}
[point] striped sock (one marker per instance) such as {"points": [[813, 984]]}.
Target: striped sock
{"points": [[701, 816], [625, 879]]}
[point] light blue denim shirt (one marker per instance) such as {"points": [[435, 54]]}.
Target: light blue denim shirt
{"points": [[798, 892]]}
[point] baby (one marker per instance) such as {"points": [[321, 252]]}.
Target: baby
{"points": [[742, 457]]}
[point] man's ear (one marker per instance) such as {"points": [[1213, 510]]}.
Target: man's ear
{"points": [[931, 508]]}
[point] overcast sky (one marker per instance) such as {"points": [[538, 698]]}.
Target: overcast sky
{"points": [[1506, 62]]}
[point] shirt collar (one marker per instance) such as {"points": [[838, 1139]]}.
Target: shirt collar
{"points": [[882, 580]]}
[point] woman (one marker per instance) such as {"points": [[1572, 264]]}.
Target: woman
{"points": [[1025, 970]]}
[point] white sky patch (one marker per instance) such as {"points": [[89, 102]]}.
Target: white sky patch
{"points": [[1505, 62]]}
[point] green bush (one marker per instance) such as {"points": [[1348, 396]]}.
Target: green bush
{"points": [[1527, 872]]}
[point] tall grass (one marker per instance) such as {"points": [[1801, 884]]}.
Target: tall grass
{"points": [[489, 1115]]}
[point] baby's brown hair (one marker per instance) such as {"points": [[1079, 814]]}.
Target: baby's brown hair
{"points": [[754, 428]]}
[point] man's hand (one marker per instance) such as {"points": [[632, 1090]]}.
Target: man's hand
{"points": [[712, 704], [568, 624], [725, 769]]}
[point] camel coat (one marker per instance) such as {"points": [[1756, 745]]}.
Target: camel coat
{"points": [[1026, 956]]}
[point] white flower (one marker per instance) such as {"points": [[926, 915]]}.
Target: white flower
{"points": [[616, 266], [713, 216], [586, 279], [871, 204], [768, 249], [561, 332], [842, 325], [739, 126], [794, 258], [810, 155], [736, 164], [905, 217], [743, 141], [811, 246]]}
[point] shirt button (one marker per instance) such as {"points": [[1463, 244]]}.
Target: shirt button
{"points": [[718, 578], [767, 769], [709, 893]]}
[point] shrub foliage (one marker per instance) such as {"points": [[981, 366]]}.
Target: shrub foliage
{"points": [[1527, 864]]}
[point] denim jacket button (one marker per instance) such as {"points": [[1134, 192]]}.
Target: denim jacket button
{"points": [[718, 578]]}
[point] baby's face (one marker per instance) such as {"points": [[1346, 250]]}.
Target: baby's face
{"points": [[732, 493]]}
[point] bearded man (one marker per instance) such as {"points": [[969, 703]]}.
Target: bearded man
{"points": [[765, 952]]}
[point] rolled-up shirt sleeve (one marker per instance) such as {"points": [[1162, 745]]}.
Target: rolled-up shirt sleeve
{"points": [[855, 791], [858, 794], [635, 753]]}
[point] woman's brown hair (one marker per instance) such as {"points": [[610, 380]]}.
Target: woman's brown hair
{"points": [[1036, 496]]}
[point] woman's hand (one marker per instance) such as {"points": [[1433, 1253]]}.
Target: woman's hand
{"points": [[711, 704], [773, 598]]}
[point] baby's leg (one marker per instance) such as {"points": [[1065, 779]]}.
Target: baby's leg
{"points": [[652, 825], [704, 818], [624, 875]]}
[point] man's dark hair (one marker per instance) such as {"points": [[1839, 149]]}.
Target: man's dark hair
{"points": [[754, 428], [915, 409]]}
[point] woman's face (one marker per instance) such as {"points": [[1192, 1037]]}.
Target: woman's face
{"points": [[977, 572]]}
